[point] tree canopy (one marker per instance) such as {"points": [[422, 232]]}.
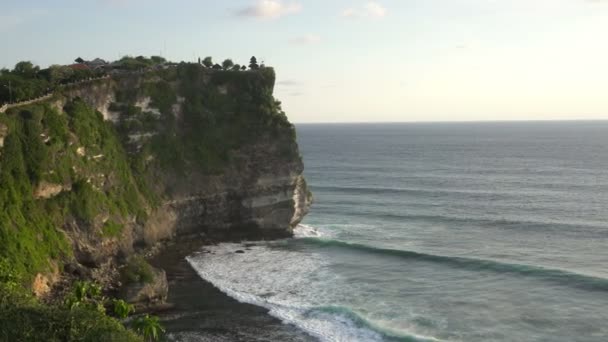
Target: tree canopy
{"points": [[253, 63], [227, 64], [208, 62]]}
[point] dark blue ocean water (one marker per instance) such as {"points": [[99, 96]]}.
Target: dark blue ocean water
{"points": [[440, 232]]}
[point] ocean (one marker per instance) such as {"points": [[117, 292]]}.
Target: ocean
{"points": [[439, 232]]}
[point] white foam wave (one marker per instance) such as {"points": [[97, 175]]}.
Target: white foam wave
{"points": [[305, 231], [280, 281]]}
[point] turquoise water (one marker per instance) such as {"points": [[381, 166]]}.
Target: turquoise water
{"points": [[439, 232]]}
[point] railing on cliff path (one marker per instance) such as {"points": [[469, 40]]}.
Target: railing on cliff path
{"points": [[48, 95]]}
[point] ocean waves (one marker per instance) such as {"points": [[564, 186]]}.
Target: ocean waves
{"points": [[295, 288], [341, 312], [580, 229], [560, 277]]}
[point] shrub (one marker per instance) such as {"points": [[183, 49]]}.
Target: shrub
{"points": [[149, 327], [122, 309], [24, 319], [138, 270], [112, 229]]}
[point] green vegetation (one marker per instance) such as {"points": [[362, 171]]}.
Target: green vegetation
{"points": [[36, 322], [28, 234], [81, 318], [149, 327], [208, 62], [99, 177], [227, 64], [27, 81], [112, 229], [139, 62], [122, 309], [137, 270], [86, 295], [67, 169], [253, 63], [213, 121]]}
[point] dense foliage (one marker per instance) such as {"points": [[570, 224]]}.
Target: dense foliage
{"points": [[78, 151], [222, 111], [67, 168], [137, 270], [81, 318], [139, 62], [27, 81]]}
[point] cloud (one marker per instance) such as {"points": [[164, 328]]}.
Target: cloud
{"points": [[269, 9], [306, 39], [372, 9]]}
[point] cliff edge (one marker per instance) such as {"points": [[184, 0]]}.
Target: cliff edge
{"points": [[104, 169]]}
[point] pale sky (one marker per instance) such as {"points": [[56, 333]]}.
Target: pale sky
{"points": [[350, 60]]}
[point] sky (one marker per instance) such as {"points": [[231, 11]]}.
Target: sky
{"points": [[351, 60]]}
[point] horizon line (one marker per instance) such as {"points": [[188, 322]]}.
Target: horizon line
{"points": [[445, 121]]}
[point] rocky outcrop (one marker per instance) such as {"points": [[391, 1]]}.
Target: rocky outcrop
{"points": [[98, 94], [147, 294], [302, 198], [3, 133], [46, 190]]}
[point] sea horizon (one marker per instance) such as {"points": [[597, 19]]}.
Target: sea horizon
{"points": [[450, 234]]}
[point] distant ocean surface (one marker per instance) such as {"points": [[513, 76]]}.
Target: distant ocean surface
{"points": [[439, 232]]}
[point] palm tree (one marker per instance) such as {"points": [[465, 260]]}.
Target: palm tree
{"points": [[149, 327]]}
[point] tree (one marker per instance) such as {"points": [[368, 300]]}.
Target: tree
{"points": [[236, 67], [57, 73], [157, 59], [208, 62], [253, 63], [227, 64], [217, 67], [149, 326], [26, 68], [79, 60], [244, 67]]}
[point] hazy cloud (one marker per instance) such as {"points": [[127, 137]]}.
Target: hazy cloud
{"points": [[306, 39], [269, 9], [372, 9]]}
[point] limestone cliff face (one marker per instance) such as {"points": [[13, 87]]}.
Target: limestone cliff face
{"points": [[103, 169], [259, 192], [258, 195]]}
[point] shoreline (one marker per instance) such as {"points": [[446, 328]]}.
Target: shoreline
{"points": [[198, 311]]}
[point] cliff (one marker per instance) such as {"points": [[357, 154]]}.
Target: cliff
{"points": [[107, 168]]}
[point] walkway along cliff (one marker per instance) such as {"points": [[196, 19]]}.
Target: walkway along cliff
{"points": [[101, 170]]}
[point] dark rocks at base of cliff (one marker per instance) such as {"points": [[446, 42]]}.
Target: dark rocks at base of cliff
{"points": [[201, 312], [147, 295]]}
